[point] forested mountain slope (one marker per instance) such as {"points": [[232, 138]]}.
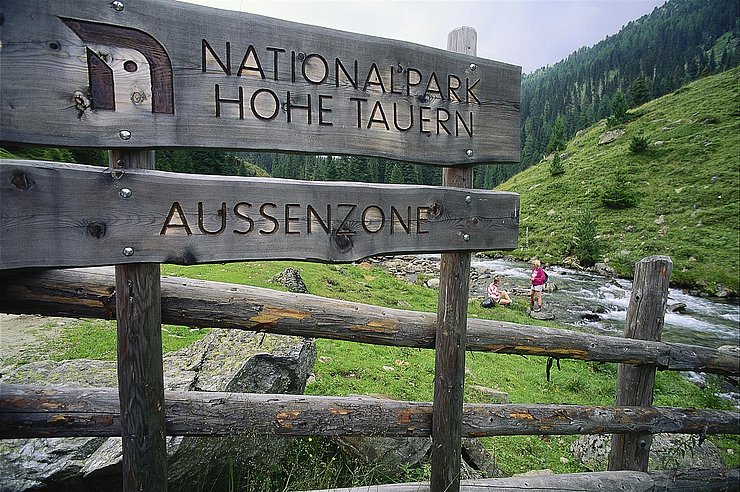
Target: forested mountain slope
{"points": [[649, 57], [670, 185]]}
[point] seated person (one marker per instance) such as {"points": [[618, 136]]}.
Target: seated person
{"points": [[498, 296]]}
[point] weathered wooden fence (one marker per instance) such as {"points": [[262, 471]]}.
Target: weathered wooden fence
{"points": [[40, 411], [298, 88]]}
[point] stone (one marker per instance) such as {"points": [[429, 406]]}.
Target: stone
{"points": [[723, 292], [604, 269], [610, 136], [494, 395], [541, 315], [432, 283], [398, 454], [730, 349], [391, 453], [590, 317], [678, 307], [475, 455], [667, 452], [291, 279], [224, 360]]}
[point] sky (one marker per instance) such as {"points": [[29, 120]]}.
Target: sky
{"points": [[528, 33]]}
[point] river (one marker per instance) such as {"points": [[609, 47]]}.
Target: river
{"points": [[599, 304]]}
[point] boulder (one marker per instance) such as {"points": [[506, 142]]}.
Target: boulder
{"points": [[393, 454], [493, 395], [667, 452], [678, 307], [398, 454], [610, 136], [224, 360], [723, 292], [432, 283], [291, 279], [604, 269]]}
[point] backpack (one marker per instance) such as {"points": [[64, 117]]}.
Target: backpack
{"points": [[547, 277]]}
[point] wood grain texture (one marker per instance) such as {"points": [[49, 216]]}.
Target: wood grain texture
{"points": [[90, 292], [449, 365], [196, 77], [44, 411], [452, 315], [694, 480], [645, 317], [67, 215], [140, 371]]}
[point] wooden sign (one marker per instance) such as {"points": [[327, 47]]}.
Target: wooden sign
{"points": [[65, 215], [163, 74]]}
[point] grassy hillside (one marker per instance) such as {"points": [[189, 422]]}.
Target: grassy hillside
{"points": [[685, 184], [346, 368]]}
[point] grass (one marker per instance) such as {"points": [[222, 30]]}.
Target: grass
{"points": [[687, 186], [346, 368], [96, 339], [688, 196]]}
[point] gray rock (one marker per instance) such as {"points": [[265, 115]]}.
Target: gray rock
{"points": [[722, 291], [604, 269], [667, 452], [494, 395], [290, 278], [475, 455], [392, 453], [432, 283], [678, 307], [610, 136], [541, 315], [224, 360]]}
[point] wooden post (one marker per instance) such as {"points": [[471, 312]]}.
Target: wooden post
{"points": [[645, 316], [452, 313], [140, 374]]}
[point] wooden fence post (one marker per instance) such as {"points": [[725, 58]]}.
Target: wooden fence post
{"points": [[645, 316], [140, 373], [452, 313]]}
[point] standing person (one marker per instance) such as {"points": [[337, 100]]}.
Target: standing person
{"points": [[498, 296], [538, 279]]}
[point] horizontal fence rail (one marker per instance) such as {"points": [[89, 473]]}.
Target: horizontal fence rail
{"points": [[90, 292], [694, 480], [45, 411]]}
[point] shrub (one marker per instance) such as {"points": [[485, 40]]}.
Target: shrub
{"points": [[639, 143], [586, 246], [619, 107], [618, 194], [556, 165]]}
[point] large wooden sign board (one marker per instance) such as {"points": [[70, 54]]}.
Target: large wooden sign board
{"points": [[162, 74], [65, 215]]}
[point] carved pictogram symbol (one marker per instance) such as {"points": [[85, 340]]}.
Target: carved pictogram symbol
{"points": [[101, 74]]}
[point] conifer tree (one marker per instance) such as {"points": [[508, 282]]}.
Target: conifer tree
{"points": [[639, 92], [396, 175], [619, 108], [557, 137]]}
